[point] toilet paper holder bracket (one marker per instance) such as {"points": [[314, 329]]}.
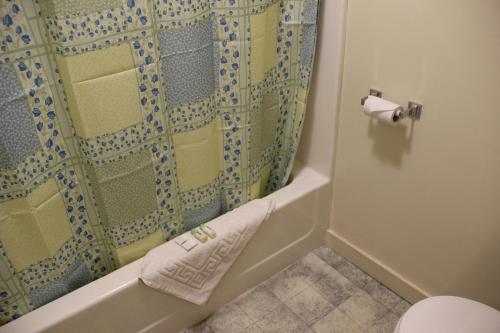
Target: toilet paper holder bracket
{"points": [[413, 111], [373, 92]]}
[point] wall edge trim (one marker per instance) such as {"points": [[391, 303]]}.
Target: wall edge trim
{"points": [[374, 267]]}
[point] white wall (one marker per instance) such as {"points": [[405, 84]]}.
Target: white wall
{"points": [[422, 200], [319, 133]]}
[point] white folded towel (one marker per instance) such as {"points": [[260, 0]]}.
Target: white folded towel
{"points": [[193, 275]]}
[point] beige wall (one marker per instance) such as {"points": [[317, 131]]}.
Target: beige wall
{"points": [[424, 199]]}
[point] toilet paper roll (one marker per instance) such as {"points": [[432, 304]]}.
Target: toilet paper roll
{"points": [[383, 110]]}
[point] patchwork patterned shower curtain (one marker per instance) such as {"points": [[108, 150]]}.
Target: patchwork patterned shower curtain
{"points": [[124, 123]]}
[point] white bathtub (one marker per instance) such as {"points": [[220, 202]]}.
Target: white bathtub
{"points": [[119, 302]]}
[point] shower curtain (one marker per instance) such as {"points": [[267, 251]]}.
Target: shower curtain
{"points": [[124, 123]]}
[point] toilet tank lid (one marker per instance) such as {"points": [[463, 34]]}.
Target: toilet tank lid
{"points": [[450, 314]]}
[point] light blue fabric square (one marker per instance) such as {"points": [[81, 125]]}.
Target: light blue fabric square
{"points": [[48, 293], [310, 11], [10, 87], [188, 62], [309, 33], [193, 218], [75, 277], [18, 136]]}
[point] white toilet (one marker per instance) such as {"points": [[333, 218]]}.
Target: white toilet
{"points": [[449, 314]]}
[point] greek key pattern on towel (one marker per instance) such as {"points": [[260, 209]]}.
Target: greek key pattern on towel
{"points": [[196, 276]]}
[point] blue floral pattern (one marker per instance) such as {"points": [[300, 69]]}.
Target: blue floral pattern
{"points": [[191, 62]]}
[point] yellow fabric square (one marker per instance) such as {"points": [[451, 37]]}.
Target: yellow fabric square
{"points": [[107, 104], [301, 108], [42, 193], [35, 227], [257, 190], [138, 249], [49, 210], [264, 40], [102, 90], [301, 95], [21, 239], [53, 223], [198, 156], [12, 207], [95, 64]]}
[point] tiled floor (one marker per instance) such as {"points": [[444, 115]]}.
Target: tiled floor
{"points": [[320, 293]]}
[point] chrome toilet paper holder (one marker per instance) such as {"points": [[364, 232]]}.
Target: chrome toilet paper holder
{"points": [[413, 111]]}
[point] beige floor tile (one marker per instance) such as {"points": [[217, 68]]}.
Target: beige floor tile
{"points": [[382, 294], [321, 289], [200, 328], [337, 322], [363, 309], [313, 268], [282, 320], [386, 324], [354, 274], [287, 283], [253, 328], [229, 319], [400, 308], [257, 302], [307, 271], [327, 255], [334, 287], [309, 305]]}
